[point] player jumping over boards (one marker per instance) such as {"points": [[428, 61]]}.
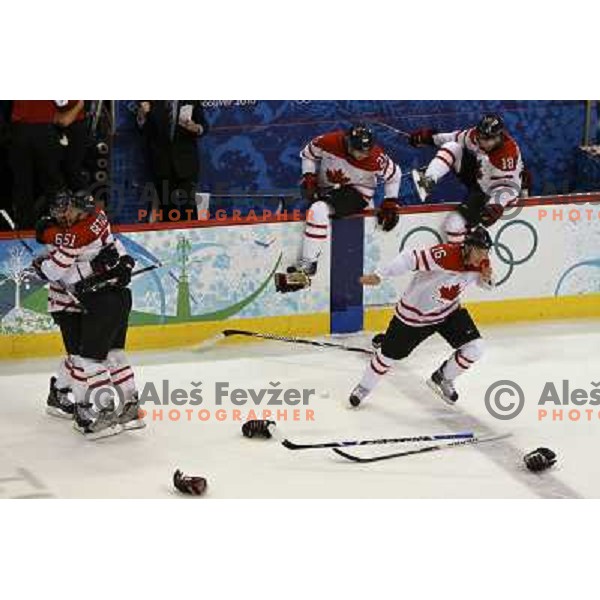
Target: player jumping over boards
{"points": [[340, 172], [431, 304], [486, 159]]}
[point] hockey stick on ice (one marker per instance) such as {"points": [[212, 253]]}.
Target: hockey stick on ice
{"points": [[435, 448], [295, 340], [401, 440], [398, 131]]}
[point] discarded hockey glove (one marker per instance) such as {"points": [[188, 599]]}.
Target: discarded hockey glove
{"points": [[490, 214], [539, 459], [189, 484], [422, 137], [387, 215], [291, 282], [258, 428], [308, 186], [105, 260]]}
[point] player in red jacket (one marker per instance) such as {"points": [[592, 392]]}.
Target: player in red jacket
{"points": [[486, 159], [340, 172], [431, 304]]}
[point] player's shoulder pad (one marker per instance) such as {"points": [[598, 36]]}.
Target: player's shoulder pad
{"points": [[331, 142], [506, 156], [89, 229], [448, 256]]}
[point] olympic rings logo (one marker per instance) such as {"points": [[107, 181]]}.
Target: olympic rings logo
{"points": [[502, 250]]}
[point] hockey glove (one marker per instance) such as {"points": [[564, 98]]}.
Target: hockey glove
{"points": [[387, 215], [36, 265], [258, 428], [539, 459], [422, 137], [490, 214], [105, 260], [188, 484]]}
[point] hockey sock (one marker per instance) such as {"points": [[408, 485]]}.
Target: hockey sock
{"points": [[375, 370], [441, 164], [462, 359], [316, 231]]}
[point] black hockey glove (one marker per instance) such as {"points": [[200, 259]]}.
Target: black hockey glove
{"points": [[105, 260], [470, 213], [123, 270], [189, 484], [539, 459], [490, 214], [258, 428], [36, 265], [387, 215]]}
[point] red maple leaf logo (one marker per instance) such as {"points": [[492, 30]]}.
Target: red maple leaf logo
{"points": [[449, 292], [337, 176]]}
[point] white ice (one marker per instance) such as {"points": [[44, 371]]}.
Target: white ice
{"points": [[41, 456]]}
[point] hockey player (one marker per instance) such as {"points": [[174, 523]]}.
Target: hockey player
{"points": [[431, 304], [340, 172], [88, 273], [486, 159]]}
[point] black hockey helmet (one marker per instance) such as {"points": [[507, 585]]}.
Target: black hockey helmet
{"points": [[360, 137], [479, 238], [64, 199], [490, 126]]}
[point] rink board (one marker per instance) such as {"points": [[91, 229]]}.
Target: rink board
{"points": [[546, 262]]}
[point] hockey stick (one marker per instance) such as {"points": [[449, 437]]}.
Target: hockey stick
{"points": [[295, 340], [398, 131], [473, 440], [469, 435]]}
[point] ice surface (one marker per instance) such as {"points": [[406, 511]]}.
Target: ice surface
{"points": [[41, 456]]}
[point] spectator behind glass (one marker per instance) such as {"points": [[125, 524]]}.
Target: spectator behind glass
{"points": [[35, 154], [70, 119], [171, 129]]}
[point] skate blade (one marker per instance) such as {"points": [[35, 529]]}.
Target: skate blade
{"points": [[416, 177], [103, 433], [439, 393], [56, 412], [133, 425]]}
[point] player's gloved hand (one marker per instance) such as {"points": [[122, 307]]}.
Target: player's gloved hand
{"points": [[43, 227], [308, 186], [89, 284], [490, 214], [122, 272], [258, 428], [36, 265], [539, 459], [470, 213], [387, 215], [106, 259], [193, 485], [422, 137]]}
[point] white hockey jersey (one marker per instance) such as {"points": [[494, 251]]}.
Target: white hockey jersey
{"points": [[71, 250], [326, 156], [434, 291], [499, 171]]}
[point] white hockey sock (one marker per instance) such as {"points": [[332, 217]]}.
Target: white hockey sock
{"points": [[63, 376], [441, 164], [375, 370], [88, 375], [316, 231], [462, 359], [121, 374]]}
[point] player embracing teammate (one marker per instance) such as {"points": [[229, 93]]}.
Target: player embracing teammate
{"points": [[89, 299]]}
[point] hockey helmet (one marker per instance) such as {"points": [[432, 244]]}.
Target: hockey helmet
{"points": [[490, 126], [360, 137]]}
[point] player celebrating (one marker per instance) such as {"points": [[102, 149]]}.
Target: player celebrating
{"points": [[86, 258], [486, 159], [340, 172], [431, 304]]}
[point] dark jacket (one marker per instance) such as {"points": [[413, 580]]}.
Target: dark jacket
{"points": [[177, 157]]}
